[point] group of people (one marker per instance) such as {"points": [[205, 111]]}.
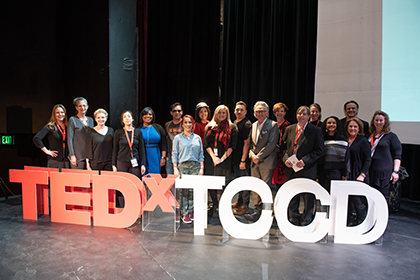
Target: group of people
{"points": [[273, 151]]}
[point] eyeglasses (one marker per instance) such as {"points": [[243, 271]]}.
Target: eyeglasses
{"points": [[260, 112], [176, 111]]}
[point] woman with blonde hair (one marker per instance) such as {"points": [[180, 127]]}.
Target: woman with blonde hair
{"points": [[55, 131], [219, 142], [99, 143]]}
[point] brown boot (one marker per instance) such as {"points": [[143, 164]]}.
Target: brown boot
{"points": [[241, 210], [236, 204]]}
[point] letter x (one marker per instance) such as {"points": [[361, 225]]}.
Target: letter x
{"points": [[161, 194]]}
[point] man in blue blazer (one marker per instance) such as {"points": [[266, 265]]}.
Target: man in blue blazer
{"points": [[306, 142], [262, 152]]}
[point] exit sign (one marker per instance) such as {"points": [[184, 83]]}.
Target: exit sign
{"points": [[7, 140]]}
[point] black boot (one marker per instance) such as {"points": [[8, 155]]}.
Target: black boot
{"points": [[352, 219], [361, 213]]}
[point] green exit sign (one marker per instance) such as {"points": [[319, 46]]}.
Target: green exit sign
{"points": [[7, 140]]}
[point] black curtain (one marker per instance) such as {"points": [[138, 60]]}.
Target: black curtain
{"points": [[269, 52], [182, 54]]}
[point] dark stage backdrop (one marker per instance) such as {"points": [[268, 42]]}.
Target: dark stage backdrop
{"points": [[182, 55], [269, 52]]}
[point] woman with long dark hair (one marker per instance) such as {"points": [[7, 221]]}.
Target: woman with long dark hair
{"points": [[128, 152], [333, 163]]}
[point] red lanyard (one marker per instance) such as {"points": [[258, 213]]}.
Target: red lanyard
{"points": [[130, 143], [215, 140], [297, 136], [350, 142], [63, 133]]}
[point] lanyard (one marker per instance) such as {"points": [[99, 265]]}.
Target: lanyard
{"points": [[298, 136], [130, 143], [351, 141], [375, 143], [215, 140], [63, 133]]}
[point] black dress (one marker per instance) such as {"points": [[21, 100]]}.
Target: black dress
{"points": [[359, 156], [388, 149]]}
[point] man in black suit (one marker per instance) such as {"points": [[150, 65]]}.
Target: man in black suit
{"points": [[351, 109], [262, 152], [305, 141]]}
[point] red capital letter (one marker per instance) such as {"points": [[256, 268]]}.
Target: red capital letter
{"points": [[29, 180]]}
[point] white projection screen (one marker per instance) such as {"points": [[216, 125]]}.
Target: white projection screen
{"points": [[369, 51]]}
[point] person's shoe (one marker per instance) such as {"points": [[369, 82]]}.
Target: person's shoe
{"points": [[295, 221], [186, 219], [253, 216], [305, 222], [241, 210], [191, 215], [236, 204]]}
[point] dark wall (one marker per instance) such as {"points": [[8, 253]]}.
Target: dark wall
{"points": [[50, 52]]}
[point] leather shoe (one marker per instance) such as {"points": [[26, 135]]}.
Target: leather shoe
{"points": [[253, 216], [236, 204], [241, 210]]}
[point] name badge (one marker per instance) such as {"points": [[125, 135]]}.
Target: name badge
{"points": [[215, 152], [134, 162]]}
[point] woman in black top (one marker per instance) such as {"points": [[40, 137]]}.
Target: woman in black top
{"points": [[220, 138], [315, 115], [128, 147], [55, 131], [386, 154], [358, 166], [333, 163], [99, 143]]}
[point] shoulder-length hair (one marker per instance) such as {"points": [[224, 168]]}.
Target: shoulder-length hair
{"points": [[53, 118], [316, 105], [338, 130], [198, 109], [122, 116], [215, 121], [146, 111], [359, 123], [387, 126]]}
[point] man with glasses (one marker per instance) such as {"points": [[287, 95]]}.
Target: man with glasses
{"points": [[262, 152], [172, 128]]}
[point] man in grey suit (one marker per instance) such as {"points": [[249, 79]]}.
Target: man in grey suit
{"points": [[262, 152]]}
